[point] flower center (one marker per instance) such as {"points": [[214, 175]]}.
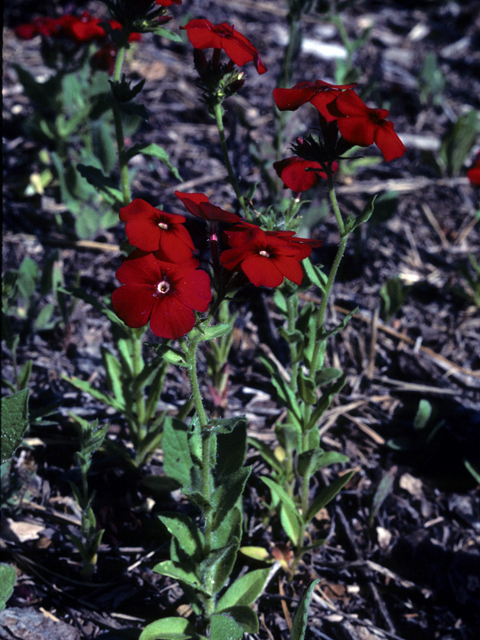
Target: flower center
{"points": [[163, 287], [264, 254], [163, 225]]}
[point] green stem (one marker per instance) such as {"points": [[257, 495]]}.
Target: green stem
{"points": [[218, 111], [138, 365], [333, 271], [208, 459]]}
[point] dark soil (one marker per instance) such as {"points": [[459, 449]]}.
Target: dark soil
{"points": [[409, 569]]}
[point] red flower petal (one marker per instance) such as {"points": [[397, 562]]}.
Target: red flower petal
{"points": [[171, 319], [262, 271], [388, 142], [134, 303], [292, 172], [202, 35], [291, 99], [357, 130]]}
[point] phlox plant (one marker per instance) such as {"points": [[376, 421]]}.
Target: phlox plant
{"points": [[166, 285]]}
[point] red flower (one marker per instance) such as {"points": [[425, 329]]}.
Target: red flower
{"points": [[473, 174], [151, 229], [294, 175], [318, 93], [265, 258], [199, 205], [204, 35], [81, 29], [162, 292], [104, 58], [363, 126], [168, 3]]}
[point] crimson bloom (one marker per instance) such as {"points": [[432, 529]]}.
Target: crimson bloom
{"points": [[265, 258], [318, 93], [82, 29], [358, 124], [205, 35], [200, 206], [163, 292], [293, 172], [473, 174], [151, 229]]}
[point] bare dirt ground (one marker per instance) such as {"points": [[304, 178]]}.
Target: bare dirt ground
{"points": [[410, 569]]}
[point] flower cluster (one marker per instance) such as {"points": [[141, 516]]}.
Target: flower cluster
{"points": [[205, 35], [160, 277], [340, 111], [81, 30], [161, 282]]}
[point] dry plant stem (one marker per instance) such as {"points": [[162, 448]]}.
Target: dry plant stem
{"points": [[122, 163], [233, 180]]}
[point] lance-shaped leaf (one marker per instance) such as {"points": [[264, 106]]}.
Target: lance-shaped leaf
{"points": [[306, 388], [14, 422], [8, 577], [97, 179], [245, 590], [243, 616], [228, 494], [299, 626], [224, 627], [170, 629], [180, 573], [230, 527], [327, 375], [84, 385], [113, 369], [285, 500], [353, 223], [266, 453], [327, 494], [315, 274], [189, 536], [177, 460], [156, 151], [324, 402], [217, 567], [170, 355], [287, 397], [231, 449]]}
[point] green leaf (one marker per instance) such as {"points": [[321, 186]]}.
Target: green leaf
{"points": [[423, 414], [97, 179], [327, 494], [225, 425], [289, 519], [113, 370], [280, 301], [84, 385], [177, 459], [14, 422], [169, 629], [266, 453], [283, 497], [231, 449], [230, 527], [223, 627], [287, 397], [308, 462], [299, 626], [306, 388], [156, 151], [244, 616], [178, 572], [170, 355], [228, 494], [189, 536], [326, 375], [353, 223], [216, 331], [8, 577], [217, 567], [315, 274], [385, 206], [384, 487], [459, 141], [24, 375], [245, 590], [472, 470], [324, 401], [166, 33]]}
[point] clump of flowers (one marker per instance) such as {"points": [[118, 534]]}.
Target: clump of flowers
{"points": [[345, 121]]}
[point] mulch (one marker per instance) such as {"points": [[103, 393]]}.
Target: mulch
{"points": [[407, 566]]}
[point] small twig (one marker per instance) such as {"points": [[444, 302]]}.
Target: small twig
{"points": [[433, 221]]}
